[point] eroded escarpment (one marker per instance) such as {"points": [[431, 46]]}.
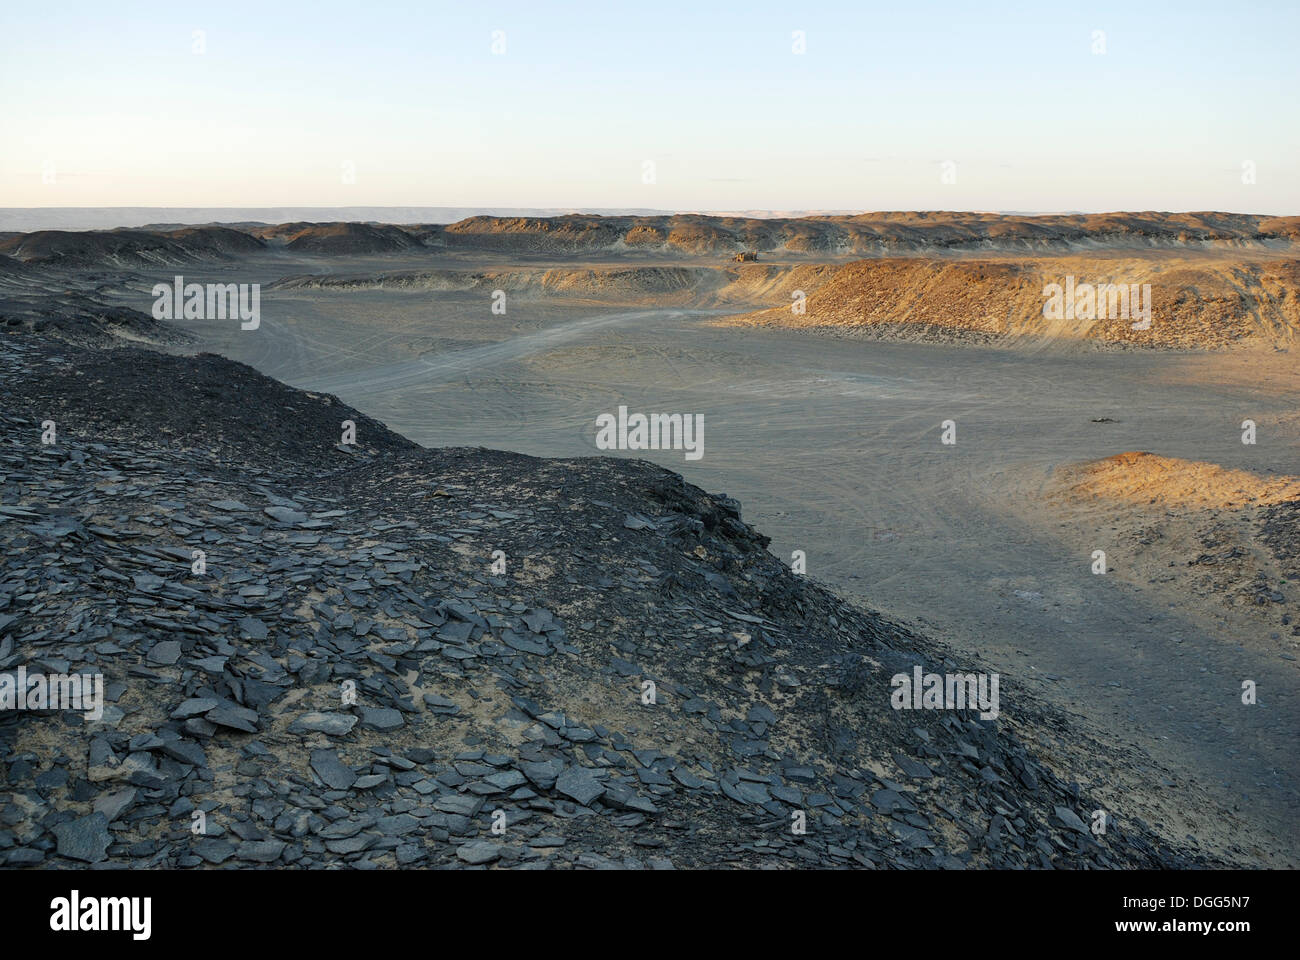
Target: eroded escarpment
{"points": [[1193, 280], [1129, 300]]}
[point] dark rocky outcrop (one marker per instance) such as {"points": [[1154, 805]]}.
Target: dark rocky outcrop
{"points": [[350, 680]]}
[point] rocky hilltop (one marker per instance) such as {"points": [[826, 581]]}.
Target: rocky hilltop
{"points": [[59, 248], [372, 654]]}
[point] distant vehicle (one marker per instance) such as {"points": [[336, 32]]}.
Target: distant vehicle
{"points": [[745, 257]]}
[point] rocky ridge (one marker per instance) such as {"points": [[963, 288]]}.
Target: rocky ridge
{"points": [[684, 234]]}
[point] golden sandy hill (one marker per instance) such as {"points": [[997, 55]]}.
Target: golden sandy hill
{"points": [[1196, 301]]}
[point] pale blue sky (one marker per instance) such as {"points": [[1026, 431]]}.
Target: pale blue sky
{"points": [[111, 104]]}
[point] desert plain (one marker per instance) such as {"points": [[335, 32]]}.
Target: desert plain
{"points": [[828, 422]]}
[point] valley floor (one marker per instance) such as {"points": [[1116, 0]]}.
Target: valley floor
{"points": [[833, 445]]}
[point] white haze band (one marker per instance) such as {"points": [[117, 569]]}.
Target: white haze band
{"points": [[952, 691], [82, 692], [658, 431], [213, 301]]}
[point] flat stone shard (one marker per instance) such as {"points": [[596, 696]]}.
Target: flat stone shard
{"points": [[479, 852], [463, 805], [213, 850], [233, 716], [260, 851], [333, 724], [578, 783], [912, 767], [381, 718], [254, 628], [230, 506], [116, 802], [186, 751], [285, 515], [165, 653], [1071, 819], [195, 706], [86, 839], [331, 770]]}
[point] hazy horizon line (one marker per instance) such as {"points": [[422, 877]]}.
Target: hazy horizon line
{"points": [[125, 216]]}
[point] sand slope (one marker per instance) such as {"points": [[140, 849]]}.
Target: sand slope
{"points": [[1214, 539]]}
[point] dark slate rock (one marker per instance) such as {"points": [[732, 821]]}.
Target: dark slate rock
{"points": [[525, 644], [233, 716], [331, 770], [186, 751], [381, 718], [913, 768], [542, 774], [260, 851], [888, 801], [194, 707], [460, 804], [86, 839], [165, 653], [580, 784], [441, 705], [213, 849], [332, 724], [285, 515], [254, 628], [1071, 819], [478, 852], [115, 803]]}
